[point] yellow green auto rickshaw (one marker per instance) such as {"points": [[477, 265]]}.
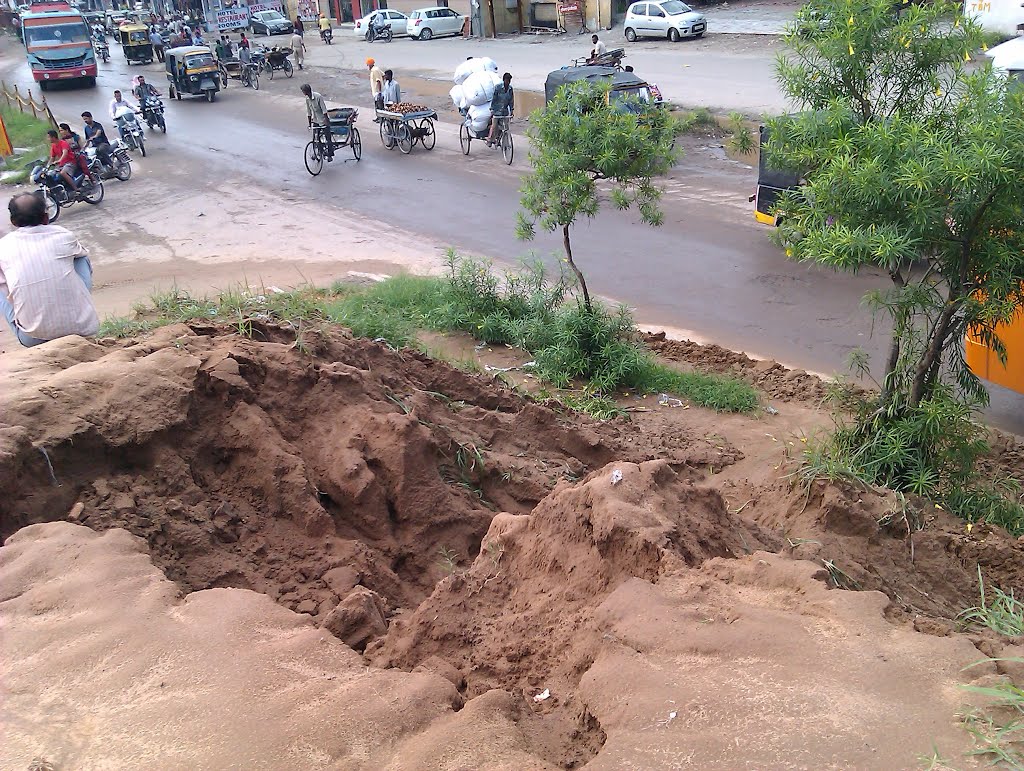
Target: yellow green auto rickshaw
{"points": [[192, 71], [135, 43]]}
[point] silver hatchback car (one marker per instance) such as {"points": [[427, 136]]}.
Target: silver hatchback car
{"points": [[669, 18]]}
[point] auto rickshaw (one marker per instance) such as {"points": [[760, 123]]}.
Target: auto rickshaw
{"points": [[771, 184], [135, 43], [192, 70], [625, 86]]}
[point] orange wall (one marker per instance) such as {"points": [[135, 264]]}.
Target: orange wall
{"points": [[985, 363]]}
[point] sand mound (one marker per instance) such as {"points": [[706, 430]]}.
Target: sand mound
{"points": [[247, 464], [105, 667], [492, 548]]}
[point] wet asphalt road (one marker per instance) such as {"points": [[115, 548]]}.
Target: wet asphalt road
{"points": [[710, 270]]}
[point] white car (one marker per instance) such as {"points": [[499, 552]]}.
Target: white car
{"points": [[669, 18], [396, 19], [433, 22]]}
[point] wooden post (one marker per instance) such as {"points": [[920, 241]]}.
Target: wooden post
{"points": [[31, 102], [18, 97], [490, 11], [519, 13]]}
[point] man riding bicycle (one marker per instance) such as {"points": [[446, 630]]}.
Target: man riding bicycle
{"points": [[316, 114], [501, 104]]}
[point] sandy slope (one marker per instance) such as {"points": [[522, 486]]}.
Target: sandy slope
{"points": [[602, 563]]}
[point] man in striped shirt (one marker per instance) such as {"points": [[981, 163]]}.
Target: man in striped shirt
{"points": [[45, 277]]}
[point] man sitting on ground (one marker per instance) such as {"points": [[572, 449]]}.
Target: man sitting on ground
{"points": [[45, 277]]}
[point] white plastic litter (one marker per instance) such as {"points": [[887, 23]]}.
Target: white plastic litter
{"points": [[543, 696], [669, 401], [616, 477]]}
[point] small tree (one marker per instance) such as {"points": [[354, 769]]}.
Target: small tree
{"points": [[877, 58], [938, 204], [582, 138]]}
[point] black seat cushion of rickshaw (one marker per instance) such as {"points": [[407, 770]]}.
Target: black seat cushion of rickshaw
{"points": [[341, 114]]}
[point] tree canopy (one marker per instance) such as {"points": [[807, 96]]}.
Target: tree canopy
{"points": [[586, 140]]}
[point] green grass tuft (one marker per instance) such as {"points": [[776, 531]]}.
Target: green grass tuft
{"points": [[1001, 612]]}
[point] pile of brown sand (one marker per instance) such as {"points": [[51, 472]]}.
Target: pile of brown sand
{"points": [[531, 589]]}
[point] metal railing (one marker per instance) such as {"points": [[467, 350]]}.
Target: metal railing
{"points": [[40, 110]]}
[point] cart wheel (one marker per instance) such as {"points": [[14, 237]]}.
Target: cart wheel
{"points": [[405, 140], [464, 138], [314, 158], [356, 142], [507, 148], [254, 80], [386, 137], [269, 68], [429, 138], [288, 69]]}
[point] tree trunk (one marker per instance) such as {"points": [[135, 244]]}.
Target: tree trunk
{"points": [[930, 360], [890, 365], [579, 275]]}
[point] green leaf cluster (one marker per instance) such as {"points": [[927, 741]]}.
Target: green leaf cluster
{"points": [[588, 134]]}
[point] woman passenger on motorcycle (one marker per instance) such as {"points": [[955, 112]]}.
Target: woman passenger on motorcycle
{"points": [[63, 159], [77, 149]]}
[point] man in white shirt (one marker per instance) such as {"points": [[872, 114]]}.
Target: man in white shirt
{"points": [[45, 277], [598, 49], [116, 104]]}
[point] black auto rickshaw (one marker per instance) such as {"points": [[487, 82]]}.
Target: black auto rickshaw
{"points": [[135, 43], [771, 184], [192, 70], [626, 87]]}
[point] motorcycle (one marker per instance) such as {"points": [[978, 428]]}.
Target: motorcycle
{"points": [[102, 50], [153, 112], [122, 163], [373, 32], [327, 35], [56, 194], [131, 130]]}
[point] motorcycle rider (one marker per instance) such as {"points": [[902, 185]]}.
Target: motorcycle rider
{"points": [[96, 136], [62, 158], [116, 104], [377, 25], [144, 92], [325, 26], [77, 150]]}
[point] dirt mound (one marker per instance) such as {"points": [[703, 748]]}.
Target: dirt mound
{"points": [[521, 617], [251, 464], [771, 377], [922, 557], [104, 666]]}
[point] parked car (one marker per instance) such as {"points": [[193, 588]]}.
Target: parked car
{"points": [[669, 18], [426, 23], [396, 19], [269, 23]]}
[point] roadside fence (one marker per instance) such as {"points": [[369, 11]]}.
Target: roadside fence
{"points": [[27, 103]]}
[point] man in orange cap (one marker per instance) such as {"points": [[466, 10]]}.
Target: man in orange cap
{"points": [[376, 84]]}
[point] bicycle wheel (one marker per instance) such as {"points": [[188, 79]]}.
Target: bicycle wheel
{"points": [[288, 69], [429, 138], [386, 137], [254, 80], [357, 143], [314, 158], [464, 138], [507, 148], [405, 140]]}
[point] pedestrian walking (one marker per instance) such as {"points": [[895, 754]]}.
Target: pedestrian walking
{"points": [[299, 29], [158, 44], [298, 49]]}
